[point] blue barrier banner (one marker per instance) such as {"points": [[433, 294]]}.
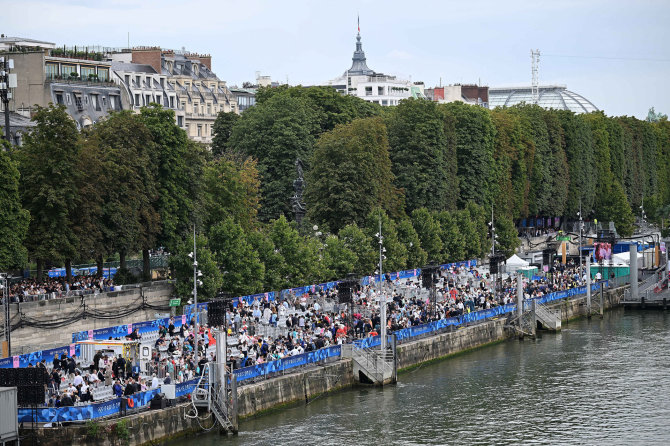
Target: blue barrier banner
{"points": [[186, 387], [287, 363]]}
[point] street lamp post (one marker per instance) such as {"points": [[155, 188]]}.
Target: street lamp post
{"points": [[196, 282], [4, 286], [382, 298], [581, 228]]}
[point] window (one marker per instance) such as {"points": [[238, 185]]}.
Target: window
{"points": [[86, 99], [78, 102], [147, 99], [385, 102], [199, 130], [183, 105], [202, 109], [112, 102], [87, 73], [180, 121], [137, 100], [68, 100], [103, 74], [59, 98], [128, 80], [104, 101], [68, 70], [95, 101], [368, 91], [171, 101], [162, 82], [51, 70], [380, 91], [158, 100], [209, 109], [188, 129], [138, 81]]}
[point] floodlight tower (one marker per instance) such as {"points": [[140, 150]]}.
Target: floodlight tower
{"points": [[535, 71]]}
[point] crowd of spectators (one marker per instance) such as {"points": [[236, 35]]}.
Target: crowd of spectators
{"points": [[263, 330], [31, 289]]}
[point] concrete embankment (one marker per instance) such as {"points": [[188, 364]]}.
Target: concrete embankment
{"points": [[300, 387]]}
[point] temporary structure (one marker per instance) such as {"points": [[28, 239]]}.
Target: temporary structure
{"points": [[515, 262]]}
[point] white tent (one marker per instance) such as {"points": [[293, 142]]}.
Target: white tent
{"points": [[515, 262], [623, 258]]}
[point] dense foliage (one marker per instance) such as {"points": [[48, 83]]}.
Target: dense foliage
{"points": [[431, 173]]}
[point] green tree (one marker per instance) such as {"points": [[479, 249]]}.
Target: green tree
{"points": [[394, 251], [357, 241], [416, 255], [178, 165], [211, 278], [222, 130], [581, 162], [14, 219], [276, 132], [453, 242], [48, 186], [617, 209], [242, 270], [420, 154], [474, 147], [124, 144], [231, 188], [508, 237], [302, 264], [270, 257], [468, 230], [338, 259], [351, 174], [428, 230]]}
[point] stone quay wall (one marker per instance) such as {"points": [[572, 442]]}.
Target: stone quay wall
{"points": [[28, 339], [302, 386]]}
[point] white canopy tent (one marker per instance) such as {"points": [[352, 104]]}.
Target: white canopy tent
{"points": [[623, 258], [515, 262]]}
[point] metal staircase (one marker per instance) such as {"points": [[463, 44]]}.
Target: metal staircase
{"points": [[550, 319], [375, 365], [221, 402]]}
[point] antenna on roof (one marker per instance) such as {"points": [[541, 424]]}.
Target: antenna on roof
{"points": [[535, 70]]}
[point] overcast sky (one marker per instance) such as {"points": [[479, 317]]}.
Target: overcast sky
{"points": [[615, 53]]}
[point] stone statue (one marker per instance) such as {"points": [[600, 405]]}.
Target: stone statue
{"points": [[297, 204]]}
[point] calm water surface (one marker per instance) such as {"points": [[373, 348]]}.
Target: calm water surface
{"points": [[596, 382]]}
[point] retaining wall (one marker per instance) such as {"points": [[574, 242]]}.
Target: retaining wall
{"points": [[29, 339], [156, 426]]}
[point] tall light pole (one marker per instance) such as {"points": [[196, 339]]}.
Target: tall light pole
{"points": [[4, 285], [382, 298], [196, 274], [581, 228]]}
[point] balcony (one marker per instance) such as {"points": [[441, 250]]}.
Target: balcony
{"points": [[78, 80]]}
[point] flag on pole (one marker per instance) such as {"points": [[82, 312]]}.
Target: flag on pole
{"points": [[359, 23]]}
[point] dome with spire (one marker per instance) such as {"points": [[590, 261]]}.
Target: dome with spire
{"points": [[359, 66]]}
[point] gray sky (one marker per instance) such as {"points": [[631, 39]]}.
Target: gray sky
{"points": [[615, 53]]}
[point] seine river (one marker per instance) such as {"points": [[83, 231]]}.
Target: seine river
{"points": [[598, 382]]}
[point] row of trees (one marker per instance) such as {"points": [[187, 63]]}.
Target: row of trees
{"points": [[430, 172], [523, 160]]}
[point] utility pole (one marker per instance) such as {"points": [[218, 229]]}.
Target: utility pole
{"points": [[382, 299]]}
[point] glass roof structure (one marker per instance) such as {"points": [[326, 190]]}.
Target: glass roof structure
{"points": [[550, 96]]}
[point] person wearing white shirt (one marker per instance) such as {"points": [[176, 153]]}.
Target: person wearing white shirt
{"points": [[154, 382]]}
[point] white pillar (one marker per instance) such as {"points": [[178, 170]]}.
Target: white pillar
{"points": [[519, 295], [588, 286], [634, 294]]}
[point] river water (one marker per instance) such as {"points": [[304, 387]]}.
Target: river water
{"points": [[595, 382]]}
